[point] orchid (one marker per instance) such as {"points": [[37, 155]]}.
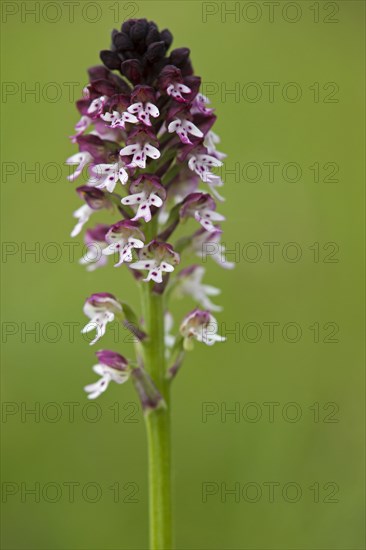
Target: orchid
{"points": [[148, 158], [190, 284], [201, 326], [123, 237], [157, 258], [110, 174], [146, 192], [202, 208], [80, 160], [111, 367], [101, 309], [95, 242], [95, 200]]}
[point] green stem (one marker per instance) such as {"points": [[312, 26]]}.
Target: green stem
{"points": [[158, 425]]}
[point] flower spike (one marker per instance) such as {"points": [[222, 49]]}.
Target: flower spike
{"points": [[147, 162]]}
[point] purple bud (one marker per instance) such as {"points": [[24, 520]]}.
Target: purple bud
{"points": [[95, 198], [112, 359], [96, 234], [132, 69]]}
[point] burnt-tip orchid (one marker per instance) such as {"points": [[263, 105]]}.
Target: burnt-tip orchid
{"points": [[146, 192], [157, 258], [95, 242], [112, 367], [201, 326], [101, 309], [123, 237], [201, 207], [189, 283], [148, 166]]}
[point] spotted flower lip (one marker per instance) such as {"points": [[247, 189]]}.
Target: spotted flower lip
{"points": [[143, 104], [109, 174], [199, 105], [202, 326], [201, 207], [101, 309], [146, 192], [202, 164], [182, 124], [171, 82], [96, 106], [112, 367], [118, 120], [158, 258], [190, 284], [123, 237], [140, 147]]}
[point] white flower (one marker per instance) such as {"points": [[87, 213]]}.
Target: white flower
{"points": [[202, 208], [146, 192], [81, 126], [82, 214], [213, 181], [201, 164], [96, 106], [158, 258], [93, 257], [190, 284], [208, 244], [201, 326], [110, 174], [184, 127], [176, 90], [144, 111], [112, 367], [139, 152], [118, 120], [155, 268], [95, 243], [107, 375], [101, 309], [210, 143], [199, 105], [80, 160], [95, 200], [123, 237]]}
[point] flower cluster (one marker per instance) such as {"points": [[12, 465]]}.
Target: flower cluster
{"points": [[148, 156]]}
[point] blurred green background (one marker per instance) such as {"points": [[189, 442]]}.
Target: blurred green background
{"points": [[314, 439]]}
